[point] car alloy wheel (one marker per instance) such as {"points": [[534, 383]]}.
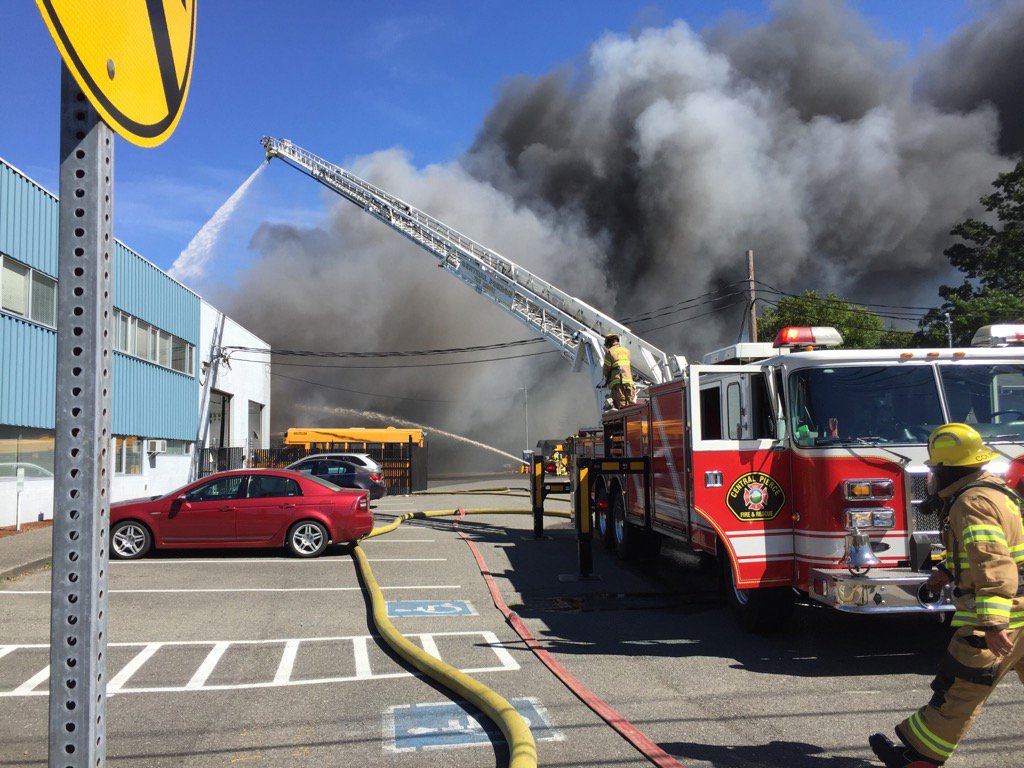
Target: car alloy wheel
{"points": [[308, 539], [129, 540]]}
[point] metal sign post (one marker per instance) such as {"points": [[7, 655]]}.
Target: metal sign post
{"points": [[78, 602], [134, 76]]}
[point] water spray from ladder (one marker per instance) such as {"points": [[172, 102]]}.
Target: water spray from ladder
{"points": [[192, 261], [413, 424]]}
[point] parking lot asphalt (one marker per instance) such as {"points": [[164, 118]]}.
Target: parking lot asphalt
{"points": [[254, 658]]}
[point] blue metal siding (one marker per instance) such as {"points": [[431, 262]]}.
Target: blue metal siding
{"points": [[28, 373], [145, 291], [150, 401], [28, 221]]}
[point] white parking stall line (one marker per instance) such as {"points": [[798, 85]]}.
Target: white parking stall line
{"points": [[500, 650], [240, 589], [284, 669], [132, 667], [362, 657], [283, 561], [30, 685], [275, 677], [399, 541], [428, 644], [206, 668], [5, 649]]}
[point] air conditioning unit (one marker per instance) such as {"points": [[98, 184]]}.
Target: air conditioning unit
{"points": [[156, 446]]}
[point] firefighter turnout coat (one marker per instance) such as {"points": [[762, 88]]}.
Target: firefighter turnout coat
{"points": [[616, 368], [984, 538]]}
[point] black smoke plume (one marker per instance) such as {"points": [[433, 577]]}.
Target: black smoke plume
{"points": [[639, 179]]}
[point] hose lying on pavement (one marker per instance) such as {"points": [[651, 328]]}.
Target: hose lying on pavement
{"points": [[522, 748], [654, 753]]}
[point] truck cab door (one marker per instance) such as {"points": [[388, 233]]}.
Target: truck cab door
{"points": [[741, 472]]}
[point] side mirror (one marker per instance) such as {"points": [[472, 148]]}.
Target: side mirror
{"points": [[179, 501]]}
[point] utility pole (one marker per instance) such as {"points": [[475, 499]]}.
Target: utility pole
{"points": [[752, 291], [949, 328]]}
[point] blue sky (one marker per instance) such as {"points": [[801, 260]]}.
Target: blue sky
{"points": [[342, 79]]}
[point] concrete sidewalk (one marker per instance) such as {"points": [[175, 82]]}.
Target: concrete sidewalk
{"points": [[25, 551]]}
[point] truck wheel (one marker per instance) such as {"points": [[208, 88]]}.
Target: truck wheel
{"points": [[764, 610], [603, 523], [627, 536]]}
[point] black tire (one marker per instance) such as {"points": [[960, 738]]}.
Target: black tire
{"points": [[628, 538], [130, 540], [764, 610], [307, 538], [603, 523]]}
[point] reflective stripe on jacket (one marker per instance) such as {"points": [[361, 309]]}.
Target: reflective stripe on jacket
{"points": [[984, 539], [616, 365]]}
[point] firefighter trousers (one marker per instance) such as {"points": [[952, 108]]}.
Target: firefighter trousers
{"points": [[967, 676], [623, 393]]}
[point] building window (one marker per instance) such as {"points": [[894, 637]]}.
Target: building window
{"points": [[27, 449], [179, 447], [127, 456], [28, 293], [140, 339]]}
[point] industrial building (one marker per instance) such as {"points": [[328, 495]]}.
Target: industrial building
{"points": [[173, 395]]}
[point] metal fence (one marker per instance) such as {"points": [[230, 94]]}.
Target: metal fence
{"points": [[404, 465]]}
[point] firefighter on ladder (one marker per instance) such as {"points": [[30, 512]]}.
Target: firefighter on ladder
{"points": [[984, 538], [617, 373]]}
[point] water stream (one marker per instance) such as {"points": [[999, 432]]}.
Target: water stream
{"points": [[413, 424], [192, 261]]}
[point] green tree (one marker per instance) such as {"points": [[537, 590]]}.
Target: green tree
{"points": [[991, 258], [861, 328]]}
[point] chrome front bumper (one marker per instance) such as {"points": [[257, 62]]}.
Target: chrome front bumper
{"points": [[881, 590]]}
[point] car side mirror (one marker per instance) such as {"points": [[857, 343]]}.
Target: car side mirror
{"points": [[180, 501]]}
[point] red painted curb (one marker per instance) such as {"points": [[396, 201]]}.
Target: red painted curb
{"points": [[627, 730]]}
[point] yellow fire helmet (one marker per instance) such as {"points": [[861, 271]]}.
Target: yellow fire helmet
{"points": [[958, 445]]}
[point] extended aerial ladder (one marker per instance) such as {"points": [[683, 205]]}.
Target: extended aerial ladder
{"points": [[572, 325]]}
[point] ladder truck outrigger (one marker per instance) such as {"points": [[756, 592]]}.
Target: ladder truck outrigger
{"points": [[797, 467]]}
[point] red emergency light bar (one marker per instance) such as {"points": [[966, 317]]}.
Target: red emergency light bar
{"points": [[808, 337]]}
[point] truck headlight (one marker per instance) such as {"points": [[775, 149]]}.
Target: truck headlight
{"points": [[857, 519], [868, 490]]}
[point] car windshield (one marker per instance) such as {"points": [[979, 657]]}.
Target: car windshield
{"points": [[988, 397], [864, 404]]}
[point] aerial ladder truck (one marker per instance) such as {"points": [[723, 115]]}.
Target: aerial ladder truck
{"points": [[575, 328], [797, 467]]}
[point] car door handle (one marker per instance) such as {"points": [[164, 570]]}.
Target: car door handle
{"points": [[287, 506], [227, 509]]}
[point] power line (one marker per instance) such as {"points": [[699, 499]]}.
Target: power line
{"points": [[773, 289], [404, 353], [411, 365], [694, 317]]}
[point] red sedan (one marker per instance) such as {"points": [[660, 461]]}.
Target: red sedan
{"points": [[242, 508]]}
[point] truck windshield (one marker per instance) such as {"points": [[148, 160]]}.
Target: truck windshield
{"points": [[988, 397], [864, 404]]}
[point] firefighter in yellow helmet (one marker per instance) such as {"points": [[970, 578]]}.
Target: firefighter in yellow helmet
{"points": [[617, 373], [984, 538]]}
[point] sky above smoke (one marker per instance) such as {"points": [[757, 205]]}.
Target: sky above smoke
{"points": [[636, 179]]}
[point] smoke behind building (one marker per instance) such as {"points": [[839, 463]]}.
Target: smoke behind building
{"points": [[638, 179]]}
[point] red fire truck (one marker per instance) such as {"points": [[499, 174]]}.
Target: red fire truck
{"points": [[797, 466], [800, 468]]}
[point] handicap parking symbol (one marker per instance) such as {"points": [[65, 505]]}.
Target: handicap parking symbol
{"points": [[421, 608], [458, 724]]}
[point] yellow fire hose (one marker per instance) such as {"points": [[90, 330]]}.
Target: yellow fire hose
{"points": [[522, 748]]}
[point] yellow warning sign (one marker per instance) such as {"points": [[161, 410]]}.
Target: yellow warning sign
{"points": [[132, 59]]}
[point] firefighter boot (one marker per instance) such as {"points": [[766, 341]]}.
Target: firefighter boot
{"points": [[898, 755]]}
